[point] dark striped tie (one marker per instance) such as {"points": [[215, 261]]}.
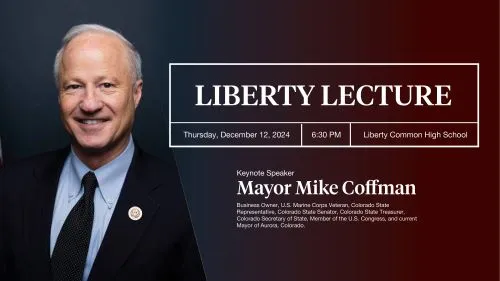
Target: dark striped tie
{"points": [[70, 252]]}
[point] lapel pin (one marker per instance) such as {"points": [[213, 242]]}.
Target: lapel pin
{"points": [[135, 213]]}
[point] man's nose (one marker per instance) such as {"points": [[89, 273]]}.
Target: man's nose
{"points": [[91, 101]]}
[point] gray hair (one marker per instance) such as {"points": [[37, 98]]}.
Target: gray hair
{"points": [[134, 56]]}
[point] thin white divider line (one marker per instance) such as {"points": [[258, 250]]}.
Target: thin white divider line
{"points": [[326, 146], [353, 122], [324, 63]]}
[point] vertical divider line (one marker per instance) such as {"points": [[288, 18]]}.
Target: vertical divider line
{"points": [[301, 135], [477, 119], [350, 133]]}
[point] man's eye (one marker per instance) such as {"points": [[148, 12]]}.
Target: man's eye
{"points": [[73, 87], [107, 85]]}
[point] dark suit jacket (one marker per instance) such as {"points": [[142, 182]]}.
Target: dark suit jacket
{"points": [[159, 246]]}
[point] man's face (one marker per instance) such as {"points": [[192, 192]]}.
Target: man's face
{"points": [[97, 95]]}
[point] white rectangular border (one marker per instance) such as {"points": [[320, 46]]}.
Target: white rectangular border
{"points": [[316, 146]]}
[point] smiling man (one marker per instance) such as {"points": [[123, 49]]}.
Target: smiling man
{"points": [[99, 89], [101, 209]]}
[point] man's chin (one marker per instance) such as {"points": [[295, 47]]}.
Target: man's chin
{"points": [[90, 148], [98, 148]]}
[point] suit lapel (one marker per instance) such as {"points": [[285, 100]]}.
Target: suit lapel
{"points": [[123, 233], [38, 217]]}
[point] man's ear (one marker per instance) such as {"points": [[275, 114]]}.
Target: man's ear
{"points": [[137, 94]]}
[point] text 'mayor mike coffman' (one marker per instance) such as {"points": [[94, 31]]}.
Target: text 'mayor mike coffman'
{"points": [[341, 95], [319, 187]]}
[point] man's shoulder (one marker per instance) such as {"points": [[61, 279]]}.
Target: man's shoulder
{"points": [[44, 157], [18, 179], [40, 161], [161, 175], [154, 166]]}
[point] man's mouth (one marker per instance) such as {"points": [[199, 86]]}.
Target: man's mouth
{"points": [[91, 121]]}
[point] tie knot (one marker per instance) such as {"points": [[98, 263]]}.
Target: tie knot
{"points": [[89, 182]]}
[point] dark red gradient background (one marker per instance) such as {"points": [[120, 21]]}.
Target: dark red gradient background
{"points": [[456, 237]]}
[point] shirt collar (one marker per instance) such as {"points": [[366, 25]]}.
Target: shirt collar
{"points": [[109, 177]]}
